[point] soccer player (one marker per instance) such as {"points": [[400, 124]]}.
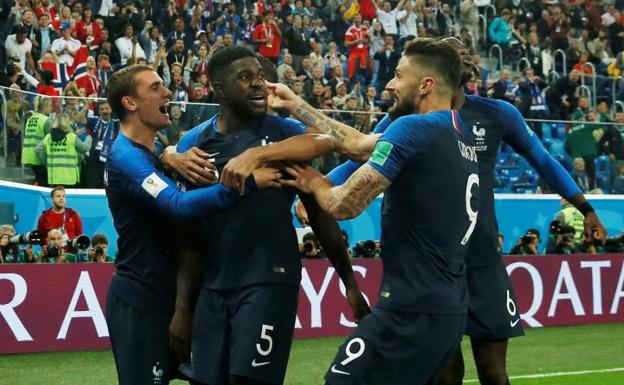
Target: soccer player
{"points": [[245, 313], [427, 166], [492, 313], [143, 201]]}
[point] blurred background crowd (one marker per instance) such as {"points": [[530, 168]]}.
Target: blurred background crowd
{"points": [[559, 62]]}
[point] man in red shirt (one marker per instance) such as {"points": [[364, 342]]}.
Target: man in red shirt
{"points": [[59, 217], [268, 37], [356, 40]]}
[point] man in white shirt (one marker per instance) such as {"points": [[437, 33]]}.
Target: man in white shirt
{"points": [[18, 48], [388, 17], [609, 17], [408, 22], [125, 44], [66, 46]]}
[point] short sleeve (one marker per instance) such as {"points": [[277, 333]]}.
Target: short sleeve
{"points": [[292, 127], [405, 139]]}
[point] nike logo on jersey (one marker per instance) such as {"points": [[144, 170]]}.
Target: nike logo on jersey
{"points": [[334, 370], [256, 364], [514, 323]]}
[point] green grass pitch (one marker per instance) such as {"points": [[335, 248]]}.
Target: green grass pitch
{"points": [[542, 351]]}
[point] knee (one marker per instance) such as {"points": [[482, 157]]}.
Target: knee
{"points": [[493, 375]]}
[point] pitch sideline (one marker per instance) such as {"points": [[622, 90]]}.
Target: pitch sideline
{"points": [[558, 374]]}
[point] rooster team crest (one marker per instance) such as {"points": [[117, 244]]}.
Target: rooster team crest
{"points": [[158, 374]]}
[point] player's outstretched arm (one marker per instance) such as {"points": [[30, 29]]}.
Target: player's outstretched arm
{"points": [[300, 148], [527, 144], [342, 202], [328, 233], [351, 142]]}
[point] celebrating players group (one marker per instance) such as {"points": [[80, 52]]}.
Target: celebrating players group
{"points": [[214, 300]]}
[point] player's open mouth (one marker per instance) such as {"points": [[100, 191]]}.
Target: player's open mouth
{"points": [[258, 100], [163, 109]]}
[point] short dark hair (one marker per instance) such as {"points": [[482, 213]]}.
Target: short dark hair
{"points": [[99, 239], [123, 83], [270, 71], [55, 189], [223, 58], [47, 77], [438, 56], [21, 30]]}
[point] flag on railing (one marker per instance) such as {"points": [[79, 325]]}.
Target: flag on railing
{"points": [[61, 75], [78, 69]]}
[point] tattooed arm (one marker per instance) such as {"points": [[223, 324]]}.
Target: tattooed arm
{"points": [[350, 142], [342, 202]]}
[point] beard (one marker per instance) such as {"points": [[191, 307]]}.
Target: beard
{"points": [[401, 108]]}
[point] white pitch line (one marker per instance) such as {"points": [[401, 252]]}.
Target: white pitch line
{"points": [[557, 374]]}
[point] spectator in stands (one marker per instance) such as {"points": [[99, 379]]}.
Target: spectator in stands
{"points": [[268, 37], [618, 182], [532, 104], [581, 110], [317, 77], [128, 45], [499, 30], [408, 22], [16, 109], [18, 49], [104, 130], [43, 37], [340, 100], [388, 59], [527, 244], [298, 40], [356, 41], [66, 47], [104, 72], [612, 143], [387, 16], [54, 250], [88, 31], [562, 96], [59, 217], [99, 249], [503, 88], [469, 17], [579, 175]]}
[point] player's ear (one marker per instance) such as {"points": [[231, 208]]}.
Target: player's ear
{"points": [[217, 87], [426, 85], [128, 103]]}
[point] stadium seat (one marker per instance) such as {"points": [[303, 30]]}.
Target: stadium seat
{"points": [[603, 182], [524, 188], [564, 160], [558, 131], [554, 146], [513, 173], [603, 163]]}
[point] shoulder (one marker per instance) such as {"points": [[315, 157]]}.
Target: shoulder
{"points": [[287, 126], [191, 138]]}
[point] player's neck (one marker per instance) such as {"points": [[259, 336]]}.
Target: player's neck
{"points": [[434, 103], [229, 122], [139, 133], [459, 99]]}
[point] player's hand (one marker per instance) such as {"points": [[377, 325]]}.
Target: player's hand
{"points": [[280, 96], [265, 177], [180, 330], [304, 178], [238, 169], [594, 228], [301, 213], [358, 304], [194, 165]]}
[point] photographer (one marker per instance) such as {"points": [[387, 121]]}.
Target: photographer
{"points": [[99, 249], [17, 248], [54, 252], [563, 242], [527, 245], [366, 249], [310, 247]]}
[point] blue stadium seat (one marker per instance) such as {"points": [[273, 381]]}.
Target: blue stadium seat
{"points": [[502, 190], [546, 131], [554, 146], [564, 160], [524, 188], [513, 173], [558, 131], [529, 176], [603, 182], [603, 163]]}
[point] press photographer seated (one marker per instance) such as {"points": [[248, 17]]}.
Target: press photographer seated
{"points": [[99, 249]]}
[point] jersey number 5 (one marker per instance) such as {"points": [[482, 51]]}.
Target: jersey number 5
{"points": [[473, 179]]}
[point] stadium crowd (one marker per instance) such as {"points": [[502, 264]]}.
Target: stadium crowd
{"points": [[58, 56], [338, 55]]}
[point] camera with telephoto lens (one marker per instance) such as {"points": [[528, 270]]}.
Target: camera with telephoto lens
{"points": [[365, 249], [81, 242], [53, 251], [29, 238], [308, 247], [98, 251]]}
